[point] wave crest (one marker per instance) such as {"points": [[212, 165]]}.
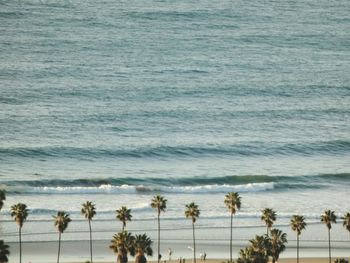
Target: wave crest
{"points": [[140, 189], [169, 151], [195, 185]]}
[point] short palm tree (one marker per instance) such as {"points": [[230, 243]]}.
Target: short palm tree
{"points": [[20, 213], [143, 245], [122, 244], [2, 198], [346, 221], [298, 224], [256, 252], [328, 218], [245, 255], [233, 203], [261, 246], [89, 211], [341, 260], [4, 252], [159, 203], [269, 217], [277, 243], [124, 214], [192, 211], [61, 221]]}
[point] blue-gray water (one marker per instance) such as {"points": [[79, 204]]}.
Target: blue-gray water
{"points": [[115, 101]]}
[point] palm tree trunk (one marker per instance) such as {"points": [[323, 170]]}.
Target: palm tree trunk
{"points": [[158, 236], [329, 245], [231, 240], [59, 246], [194, 245], [297, 248], [90, 241], [125, 258], [20, 244]]}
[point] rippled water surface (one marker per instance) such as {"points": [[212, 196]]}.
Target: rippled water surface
{"points": [[116, 101]]}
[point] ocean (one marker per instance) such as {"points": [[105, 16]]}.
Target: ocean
{"points": [[117, 101]]}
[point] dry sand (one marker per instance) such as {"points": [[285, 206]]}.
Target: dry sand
{"points": [[284, 260]]}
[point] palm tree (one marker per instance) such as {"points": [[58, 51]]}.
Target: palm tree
{"points": [[89, 211], [20, 213], [192, 212], [256, 252], [233, 203], [122, 244], [143, 245], [260, 247], [328, 218], [298, 224], [346, 222], [269, 217], [62, 220], [124, 214], [245, 255], [341, 260], [277, 243], [4, 252], [2, 198], [159, 203]]}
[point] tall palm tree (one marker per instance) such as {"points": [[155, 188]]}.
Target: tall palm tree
{"points": [[143, 245], [2, 198], [122, 244], [277, 243], [328, 218], [298, 224], [269, 217], [124, 214], [89, 211], [20, 213], [233, 203], [346, 221], [4, 252], [192, 211], [159, 203], [61, 221]]}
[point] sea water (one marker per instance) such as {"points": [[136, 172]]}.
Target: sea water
{"points": [[117, 101]]}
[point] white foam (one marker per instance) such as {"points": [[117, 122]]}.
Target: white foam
{"points": [[216, 188], [104, 188], [132, 189]]}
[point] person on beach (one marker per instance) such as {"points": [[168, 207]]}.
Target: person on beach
{"points": [[170, 252]]}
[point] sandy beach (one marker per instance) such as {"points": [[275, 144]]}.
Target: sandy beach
{"points": [[284, 260], [78, 251]]}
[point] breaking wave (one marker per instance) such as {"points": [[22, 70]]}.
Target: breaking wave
{"points": [[186, 185]]}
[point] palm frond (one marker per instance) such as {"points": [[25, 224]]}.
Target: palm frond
{"points": [[233, 202]]}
